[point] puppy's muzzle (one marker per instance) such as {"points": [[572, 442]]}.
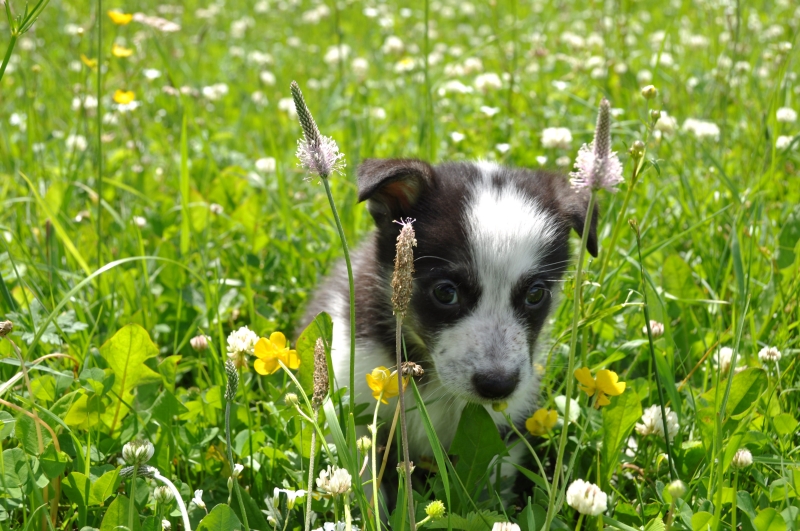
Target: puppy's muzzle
{"points": [[495, 385]]}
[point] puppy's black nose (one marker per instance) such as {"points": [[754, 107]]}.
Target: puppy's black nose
{"points": [[495, 385]]}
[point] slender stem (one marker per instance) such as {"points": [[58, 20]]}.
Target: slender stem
{"points": [[374, 430], [231, 464], [187, 526], [99, 132], [348, 519], [398, 337], [659, 384], [562, 444], [7, 57], [733, 505], [311, 474], [530, 448], [580, 522], [352, 291], [391, 436], [131, 502]]}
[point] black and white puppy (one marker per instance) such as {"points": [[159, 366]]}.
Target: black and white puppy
{"points": [[493, 243]]}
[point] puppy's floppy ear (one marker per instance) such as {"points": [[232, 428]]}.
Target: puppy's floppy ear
{"points": [[392, 187], [575, 202]]}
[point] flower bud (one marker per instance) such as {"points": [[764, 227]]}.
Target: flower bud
{"points": [[364, 444], [742, 458], [499, 406], [291, 400], [163, 495], [649, 92], [636, 150], [138, 452], [401, 467], [199, 343], [676, 489], [655, 114], [5, 328], [435, 510]]}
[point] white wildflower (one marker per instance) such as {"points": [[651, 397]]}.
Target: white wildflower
{"points": [[241, 342], [786, 114], [139, 221], [488, 81], [267, 77], [653, 423], [701, 128], [769, 355], [198, 499], [266, 165], [587, 498], [334, 480], [505, 526], [76, 142], [742, 458], [457, 137], [335, 54], [783, 142], [215, 92], [722, 359], [655, 327], [392, 45], [556, 138], [666, 124], [360, 67]]}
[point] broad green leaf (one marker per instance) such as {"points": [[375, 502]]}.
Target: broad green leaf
{"points": [[125, 354], [7, 422], [676, 277], [701, 521], [656, 524], [618, 421], [787, 241], [116, 516], [476, 443], [321, 326], [221, 518], [85, 411], [78, 488], [28, 434], [785, 424], [169, 370], [53, 462], [104, 487], [769, 520], [166, 406], [255, 518], [472, 522], [16, 474], [746, 389]]}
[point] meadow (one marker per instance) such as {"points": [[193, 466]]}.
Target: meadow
{"points": [[151, 205]]}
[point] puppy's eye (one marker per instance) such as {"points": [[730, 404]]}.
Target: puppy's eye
{"points": [[536, 294], [446, 293]]}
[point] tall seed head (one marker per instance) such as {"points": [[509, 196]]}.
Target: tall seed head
{"points": [[602, 133], [403, 268], [310, 130], [233, 381], [320, 374], [317, 153]]}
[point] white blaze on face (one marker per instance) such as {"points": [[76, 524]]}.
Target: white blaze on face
{"points": [[508, 236]]}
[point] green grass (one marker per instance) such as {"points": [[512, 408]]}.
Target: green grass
{"points": [[719, 220]]}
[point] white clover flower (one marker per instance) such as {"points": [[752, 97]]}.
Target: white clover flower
{"points": [[266, 165], [769, 355], [335, 54], [556, 138], [138, 452], [786, 115], [653, 423], [76, 142], [287, 105], [165, 525], [742, 458], [198, 499], [216, 209], [488, 81], [360, 67], [163, 494], [242, 342], [392, 45], [655, 327], [378, 113], [267, 77], [139, 221], [215, 92], [666, 124], [151, 73], [472, 65], [503, 148], [783, 142], [457, 137], [237, 469], [334, 480], [587, 498], [701, 128], [454, 86], [505, 526], [722, 359]]}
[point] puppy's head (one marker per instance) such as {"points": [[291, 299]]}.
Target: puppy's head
{"points": [[492, 246]]}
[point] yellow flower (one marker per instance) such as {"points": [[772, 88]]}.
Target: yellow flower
{"points": [[542, 421], [121, 51], [120, 19], [606, 384], [269, 351], [91, 63], [124, 96], [383, 383]]}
